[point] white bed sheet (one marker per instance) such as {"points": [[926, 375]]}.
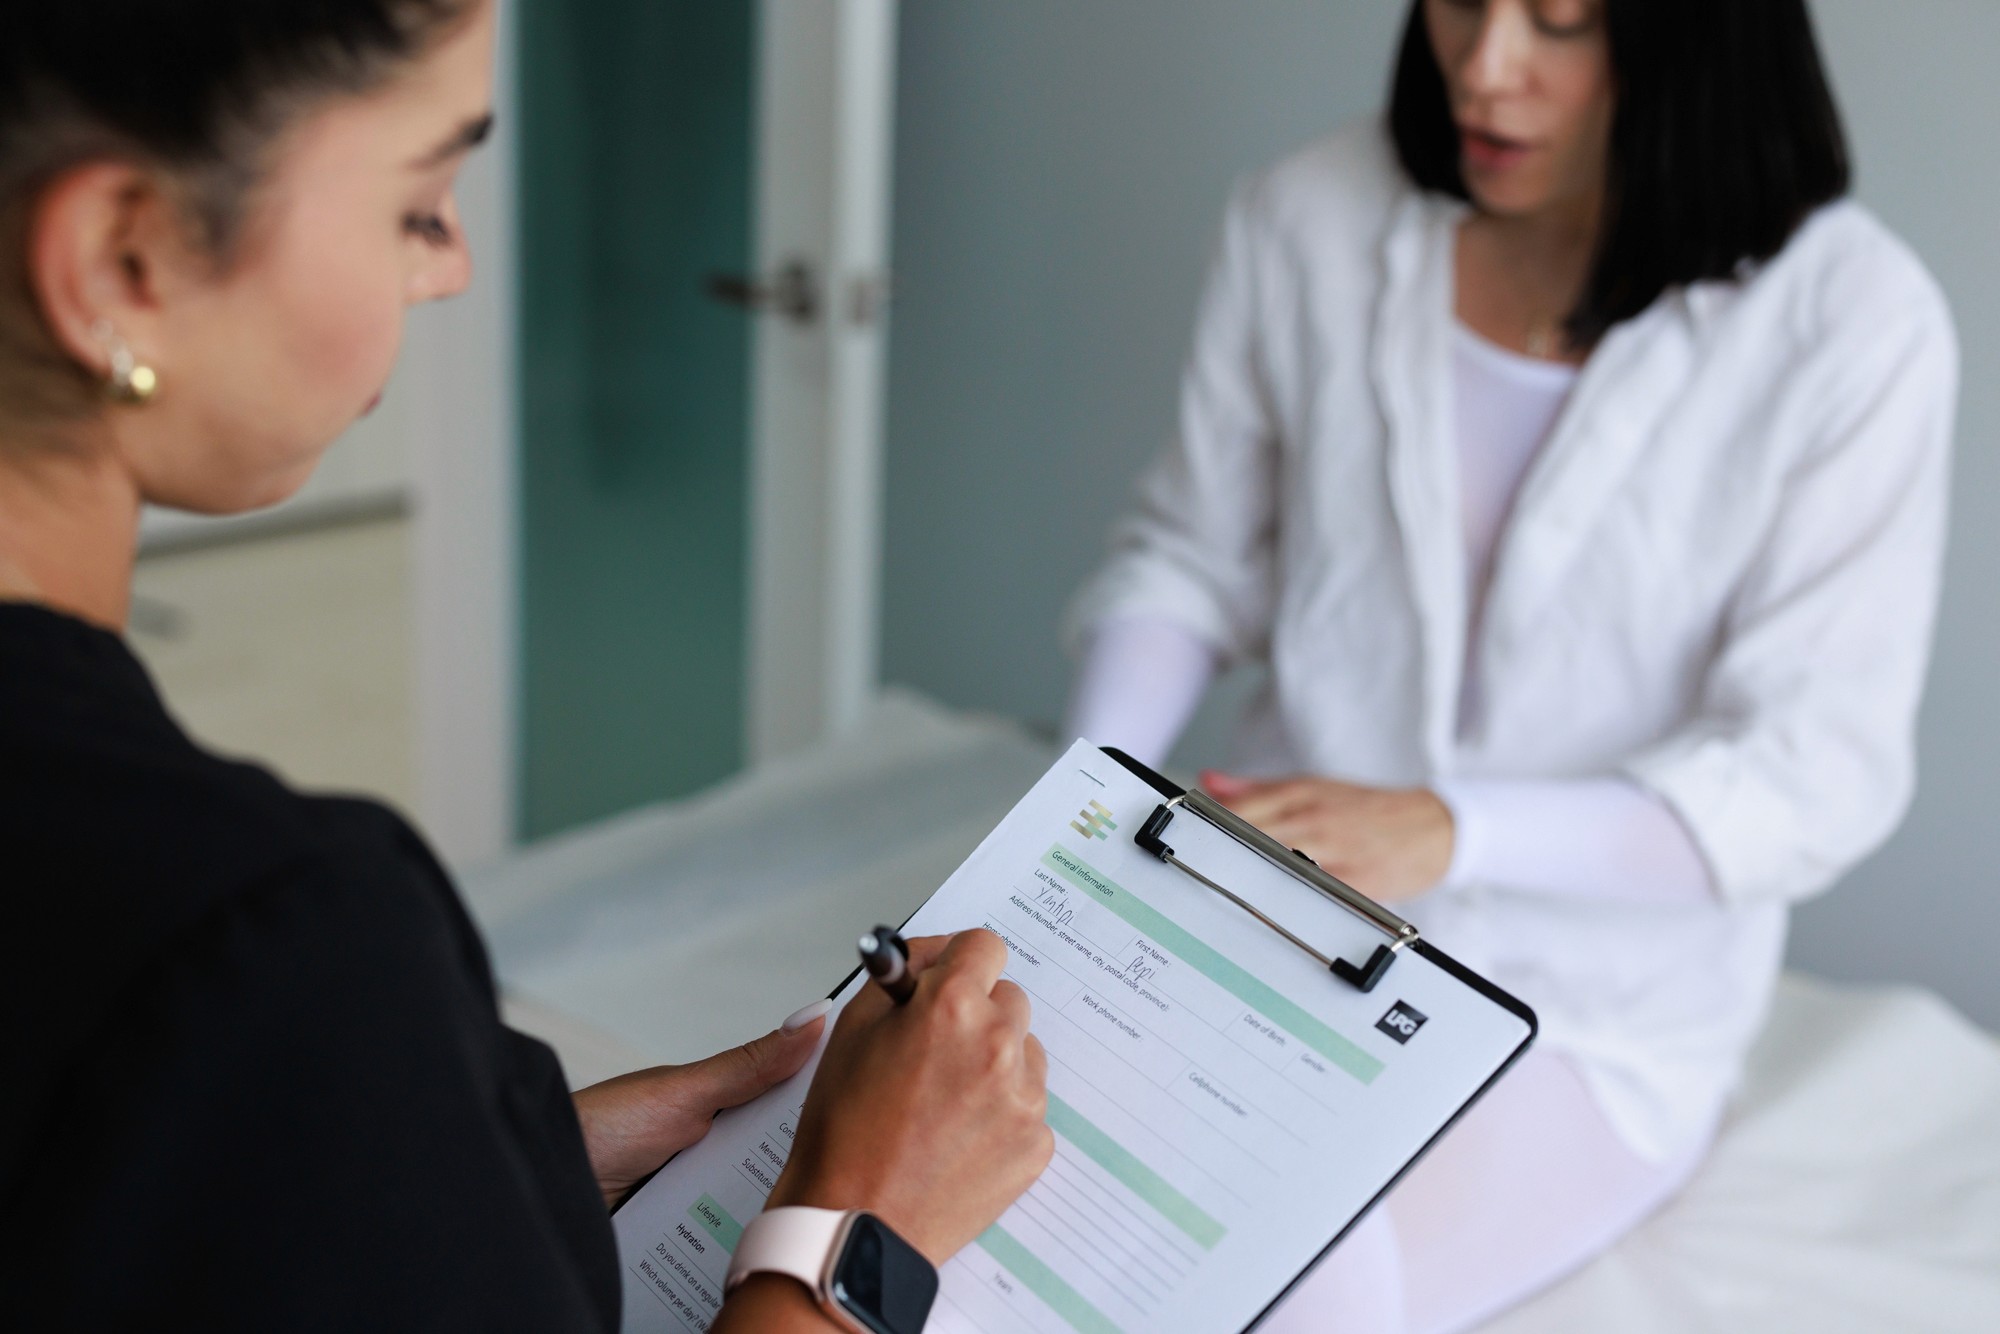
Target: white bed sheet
{"points": [[1855, 1186]]}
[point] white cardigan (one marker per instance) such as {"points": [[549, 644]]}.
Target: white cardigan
{"points": [[1719, 582]]}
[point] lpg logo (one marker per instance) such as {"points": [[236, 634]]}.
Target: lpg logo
{"points": [[1402, 1022]]}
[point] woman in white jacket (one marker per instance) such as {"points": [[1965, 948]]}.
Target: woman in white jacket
{"points": [[1576, 458]]}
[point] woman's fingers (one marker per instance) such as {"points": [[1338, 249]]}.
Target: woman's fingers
{"points": [[1284, 803], [931, 1115], [1013, 1005], [1225, 787], [1237, 793], [1035, 1063], [871, 1003], [925, 951], [933, 959], [806, 1016], [635, 1122], [974, 958], [732, 1077]]}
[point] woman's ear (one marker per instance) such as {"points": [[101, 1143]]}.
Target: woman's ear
{"points": [[103, 241]]}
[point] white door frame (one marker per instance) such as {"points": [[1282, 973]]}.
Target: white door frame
{"points": [[459, 374], [826, 121], [826, 81]]}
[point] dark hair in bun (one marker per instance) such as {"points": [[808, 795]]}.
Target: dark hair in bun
{"points": [[196, 88]]}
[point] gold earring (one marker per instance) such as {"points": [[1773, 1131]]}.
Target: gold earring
{"points": [[131, 381]]}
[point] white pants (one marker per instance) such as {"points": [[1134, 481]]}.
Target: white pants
{"points": [[1531, 1184]]}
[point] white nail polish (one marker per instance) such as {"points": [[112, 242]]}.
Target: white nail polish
{"points": [[799, 1018]]}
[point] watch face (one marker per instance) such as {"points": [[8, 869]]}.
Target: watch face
{"points": [[882, 1281]]}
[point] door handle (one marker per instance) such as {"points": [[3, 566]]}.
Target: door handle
{"points": [[792, 293]]}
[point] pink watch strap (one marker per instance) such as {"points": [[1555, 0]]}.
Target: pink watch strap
{"points": [[795, 1241]]}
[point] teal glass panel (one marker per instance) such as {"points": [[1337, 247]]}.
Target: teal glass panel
{"points": [[635, 182]]}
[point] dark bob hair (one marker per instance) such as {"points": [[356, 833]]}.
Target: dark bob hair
{"points": [[1724, 139]]}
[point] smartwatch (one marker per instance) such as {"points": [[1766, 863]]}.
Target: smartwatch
{"points": [[866, 1277]]}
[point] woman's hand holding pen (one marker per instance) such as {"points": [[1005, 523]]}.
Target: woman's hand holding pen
{"points": [[1389, 843], [929, 1114]]}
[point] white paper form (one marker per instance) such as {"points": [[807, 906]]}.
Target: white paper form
{"points": [[1223, 1106]]}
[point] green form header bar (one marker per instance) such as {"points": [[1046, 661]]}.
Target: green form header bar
{"points": [[1140, 1179], [1044, 1282], [1213, 965], [715, 1221]]}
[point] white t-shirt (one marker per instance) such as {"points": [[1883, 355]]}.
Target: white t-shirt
{"points": [[1506, 406]]}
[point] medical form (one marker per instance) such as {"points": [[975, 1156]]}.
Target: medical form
{"points": [[1224, 1107]]}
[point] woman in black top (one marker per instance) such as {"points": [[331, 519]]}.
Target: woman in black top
{"points": [[256, 1078]]}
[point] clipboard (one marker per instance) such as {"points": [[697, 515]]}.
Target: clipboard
{"points": [[1234, 957], [1364, 976], [1152, 837]]}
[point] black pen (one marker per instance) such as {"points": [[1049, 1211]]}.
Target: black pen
{"points": [[887, 960]]}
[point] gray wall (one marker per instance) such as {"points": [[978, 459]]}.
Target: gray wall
{"points": [[1061, 169]]}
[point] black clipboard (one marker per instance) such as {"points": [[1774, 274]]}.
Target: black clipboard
{"points": [[1363, 976]]}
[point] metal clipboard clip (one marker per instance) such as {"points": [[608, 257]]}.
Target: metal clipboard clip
{"points": [[1363, 977]]}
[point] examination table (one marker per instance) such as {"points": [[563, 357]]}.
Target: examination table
{"points": [[1855, 1185]]}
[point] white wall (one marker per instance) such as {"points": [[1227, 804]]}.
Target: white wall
{"points": [[1917, 83], [1061, 168], [459, 373]]}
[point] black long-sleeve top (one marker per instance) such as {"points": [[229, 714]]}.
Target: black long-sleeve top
{"points": [[255, 1075]]}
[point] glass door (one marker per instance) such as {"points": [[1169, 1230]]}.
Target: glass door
{"points": [[634, 184], [647, 442]]}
